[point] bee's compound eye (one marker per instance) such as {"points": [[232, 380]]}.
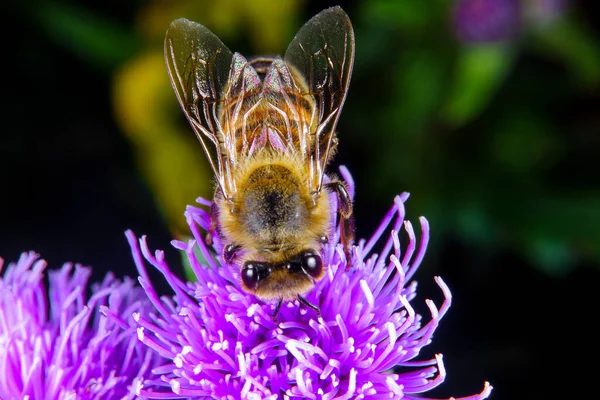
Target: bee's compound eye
{"points": [[312, 264], [250, 275]]}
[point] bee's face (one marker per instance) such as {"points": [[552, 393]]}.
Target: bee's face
{"points": [[267, 127], [288, 279], [278, 227]]}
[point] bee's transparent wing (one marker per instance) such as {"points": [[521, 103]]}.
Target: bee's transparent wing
{"points": [[323, 54], [199, 66]]}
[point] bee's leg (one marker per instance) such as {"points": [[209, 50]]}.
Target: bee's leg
{"points": [[309, 304], [277, 307], [347, 237], [346, 220], [214, 216]]}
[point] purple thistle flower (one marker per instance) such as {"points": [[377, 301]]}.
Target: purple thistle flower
{"points": [[222, 343], [477, 21], [55, 344]]}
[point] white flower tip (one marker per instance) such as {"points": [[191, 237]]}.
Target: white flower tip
{"points": [[140, 334], [403, 196], [432, 309], [487, 390], [178, 360], [136, 316], [352, 383], [138, 388], [178, 244], [175, 386], [334, 380], [406, 304], [394, 388], [391, 332], [398, 265], [410, 231], [395, 239], [252, 310], [445, 289], [440, 364], [190, 247], [367, 292]]}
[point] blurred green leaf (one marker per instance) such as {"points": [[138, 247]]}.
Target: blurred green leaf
{"points": [[524, 142], [100, 41], [553, 256], [570, 41], [187, 268], [552, 227], [474, 223], [478, 73], [570, 215], [418, 86], [411, 16]]}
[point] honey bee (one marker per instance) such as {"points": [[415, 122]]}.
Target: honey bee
{"points": [[267, 127]]}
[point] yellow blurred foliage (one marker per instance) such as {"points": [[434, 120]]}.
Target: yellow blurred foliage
{"points": [[167, 151]]}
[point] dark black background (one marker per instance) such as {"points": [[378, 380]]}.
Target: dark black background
{"points": [[69, 189]]}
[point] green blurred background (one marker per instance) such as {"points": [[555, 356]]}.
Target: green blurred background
{"points": [[486, 111]]}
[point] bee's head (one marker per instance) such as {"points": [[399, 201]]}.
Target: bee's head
{"points": [[286, 279]]}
